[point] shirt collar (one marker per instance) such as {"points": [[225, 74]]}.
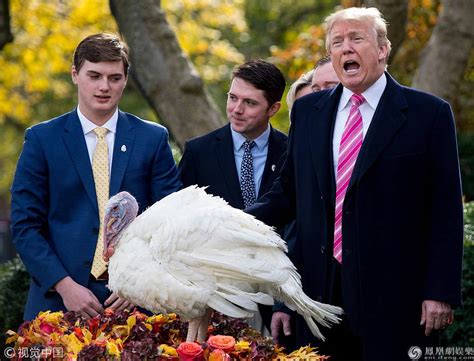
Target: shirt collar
{"points": [[88, 126], [372, 95], [260, 142]]}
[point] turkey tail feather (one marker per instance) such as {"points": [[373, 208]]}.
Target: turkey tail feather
{"points": [[295, 299]]}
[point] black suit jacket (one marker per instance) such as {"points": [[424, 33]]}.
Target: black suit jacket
{"points": [[209, 161], [402, 215]]}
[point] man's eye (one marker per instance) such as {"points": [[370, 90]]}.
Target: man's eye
{"points": [[250, 102]]}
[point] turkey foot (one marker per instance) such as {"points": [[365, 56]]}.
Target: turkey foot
{"points": [[197, 329]]}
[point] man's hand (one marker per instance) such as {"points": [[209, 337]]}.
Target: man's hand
{"points": [[118, 304], [435, 315], [280, 320], [78, 298]]}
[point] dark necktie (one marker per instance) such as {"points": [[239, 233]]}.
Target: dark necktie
{"points": [[247, 185]]}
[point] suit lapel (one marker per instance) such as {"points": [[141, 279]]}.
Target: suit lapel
{"points": [[224, 149], [387, 120], [124, 141], [321, 133], [276, 149], [76, 145]]}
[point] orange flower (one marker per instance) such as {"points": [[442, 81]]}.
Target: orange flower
{"points": [[224, 343], [190, 351], [218, 355]]}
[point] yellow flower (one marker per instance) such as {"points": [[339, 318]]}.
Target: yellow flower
{"points": [[168, 350], [242, 346], [51, 317], [73, 344], [114, 347], [13, 336], [131, 321]]}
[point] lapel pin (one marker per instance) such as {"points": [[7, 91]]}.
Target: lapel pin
{"points": [[124, 148], [273, 167]]}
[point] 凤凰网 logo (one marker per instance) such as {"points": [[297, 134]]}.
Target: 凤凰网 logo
{"points": [[414, 352]]}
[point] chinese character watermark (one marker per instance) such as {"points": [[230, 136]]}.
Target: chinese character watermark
{"points": [[441, 353], [34, 353]]}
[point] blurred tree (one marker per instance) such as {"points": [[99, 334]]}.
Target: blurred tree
{"points": [[278, 24], [209, 40], [448, 51], [166, 77], [5, 31], [396, 13]]}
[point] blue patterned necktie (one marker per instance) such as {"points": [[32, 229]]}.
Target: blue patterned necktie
{"points": [[247, 184]]}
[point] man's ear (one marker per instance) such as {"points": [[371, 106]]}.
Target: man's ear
{"points": [[74, 74], [383, 51], [274, 108]]}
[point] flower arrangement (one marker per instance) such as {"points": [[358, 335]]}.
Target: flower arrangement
{"points": [[136, 336]]}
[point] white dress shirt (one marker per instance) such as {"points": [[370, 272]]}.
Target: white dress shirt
{"points": [[259, 154], [91, 139], [367, 109]]}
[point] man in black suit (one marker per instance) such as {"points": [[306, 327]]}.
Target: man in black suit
{"points": [[372, 176], [219, 161], [213, 159]]}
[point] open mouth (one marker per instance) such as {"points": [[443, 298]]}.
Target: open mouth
{"points": [[351, 66]]}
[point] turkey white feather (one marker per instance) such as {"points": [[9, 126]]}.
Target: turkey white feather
{"points": [[191, 251]]}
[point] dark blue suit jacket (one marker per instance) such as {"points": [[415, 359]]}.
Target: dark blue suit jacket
{"points": [[54, 212], [209, 161], [402, 215]]}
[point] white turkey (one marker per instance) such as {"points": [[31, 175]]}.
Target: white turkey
{"points": [[191, 252]]}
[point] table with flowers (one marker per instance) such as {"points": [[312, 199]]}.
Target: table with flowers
{"points": [[136, 336]]}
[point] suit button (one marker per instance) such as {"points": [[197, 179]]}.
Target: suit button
{"points": [[323, 249], [87, 263], [322, 197], [95, 230]]}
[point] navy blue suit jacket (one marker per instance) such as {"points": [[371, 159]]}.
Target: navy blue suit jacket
{"points": [[54, 213], [209, 161], [402, 215]]}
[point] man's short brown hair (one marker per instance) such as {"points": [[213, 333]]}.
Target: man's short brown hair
{"points": [[101, 47]]}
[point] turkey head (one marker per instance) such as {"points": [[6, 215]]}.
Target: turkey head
{"points": [[120, 211]]}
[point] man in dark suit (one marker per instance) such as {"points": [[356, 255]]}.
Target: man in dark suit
{"points": [[217, 159], [372, 176], [67, 169]]}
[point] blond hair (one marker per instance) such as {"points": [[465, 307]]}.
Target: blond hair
{"points": [[303, 80], [364, 15]]}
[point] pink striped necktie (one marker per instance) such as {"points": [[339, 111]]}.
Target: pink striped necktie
{"points": [[351, 142]]}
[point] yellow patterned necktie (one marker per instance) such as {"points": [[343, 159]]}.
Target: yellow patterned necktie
{"points": [[100, 169]]}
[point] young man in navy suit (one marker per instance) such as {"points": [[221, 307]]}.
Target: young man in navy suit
{"points": [[372, 176], [55, 208], [216, 160]]}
